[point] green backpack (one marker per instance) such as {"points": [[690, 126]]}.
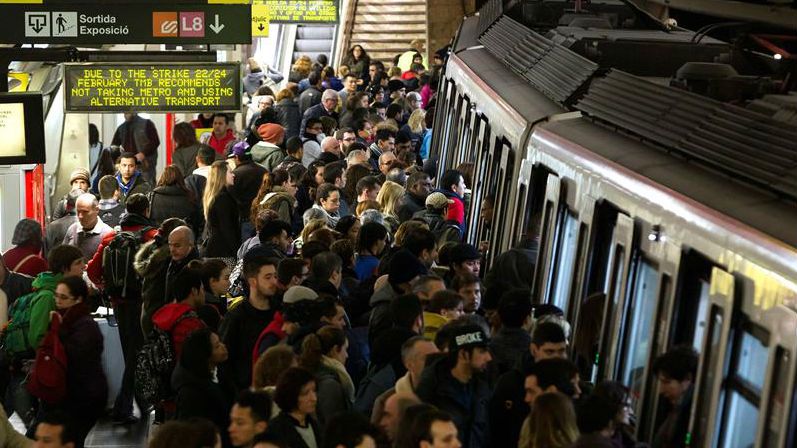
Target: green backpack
{"points": [[15, 339]]}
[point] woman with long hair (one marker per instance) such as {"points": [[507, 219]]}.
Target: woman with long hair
{"points": [[324, 354], [201, 393], [353, 175], [313, 177], [223, 229], [551, 424], [357, 60], [171, 198], [277, 192], [86, 386], [415, 128], [186, 147], [389, 198]]}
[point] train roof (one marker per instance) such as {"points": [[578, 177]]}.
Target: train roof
{"points": [[757, 208]]}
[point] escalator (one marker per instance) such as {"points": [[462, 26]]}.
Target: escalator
{"points": [[312, 40]]}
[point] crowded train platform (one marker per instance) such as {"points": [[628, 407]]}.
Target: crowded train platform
{"points": [[500, 224]]}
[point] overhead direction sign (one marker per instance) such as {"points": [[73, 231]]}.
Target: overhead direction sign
{"points": [[207, 87], [126, 24], [301, 11], [260, 20]]}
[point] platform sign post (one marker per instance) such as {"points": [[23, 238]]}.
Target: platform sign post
{"points": [[110, 23]]}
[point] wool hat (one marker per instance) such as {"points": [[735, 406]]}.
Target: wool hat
{"points": [[80, 174], [438, 200], [298, 293], [404, 267], [27, 230], [271, 132], [467, 336], [395, 84]]}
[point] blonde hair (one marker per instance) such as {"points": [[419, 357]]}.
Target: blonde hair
{"points": [[303, 65], [407, 227], [343, 70], [217, 180], [394, 71], [417, 121], [389, 196], [367, 205], [311, 227]]}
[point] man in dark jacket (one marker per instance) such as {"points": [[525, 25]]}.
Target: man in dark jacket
{"points": [[455, 384], [434, 214], [414, 200], [275, 239], [327, 107], [312, 95], [404, 268], [126, 310], [139, 136], [174, 318], [130, 178], [182, 249], [247, 179], [507, 406], [512, 341], [243, 324]]}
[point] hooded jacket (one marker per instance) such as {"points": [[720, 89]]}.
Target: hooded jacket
{"points": [[290, 116], [268, 155], [409, 205], [281, 202], [171, 201], [439, 388], [129, 222], [44, 286], [380, 320], [166, 319]]}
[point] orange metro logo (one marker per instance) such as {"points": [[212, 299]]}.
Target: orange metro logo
{"points": [[164, 24]]}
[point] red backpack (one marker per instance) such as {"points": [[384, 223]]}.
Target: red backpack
{"points": [[47, 379]]}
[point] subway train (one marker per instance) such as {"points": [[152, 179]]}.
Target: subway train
{"points": [[664, 216]]}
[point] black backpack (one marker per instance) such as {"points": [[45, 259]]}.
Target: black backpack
{"points": [[112, 216], [154, 364], [121, 279]]}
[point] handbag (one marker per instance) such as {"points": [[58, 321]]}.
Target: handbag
{"points": [[47, 380]]}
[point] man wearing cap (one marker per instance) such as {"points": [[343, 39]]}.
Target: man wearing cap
{"points": [[89, 230], [78, 180], [455, 384], [267, 152], [404, 269], [247, 177], [327, 107], [444, 230]]}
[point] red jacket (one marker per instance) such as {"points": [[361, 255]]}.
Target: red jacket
{"points": [[28, 258], [275, 329], [221, 144], [166, 320], [94, 267]]}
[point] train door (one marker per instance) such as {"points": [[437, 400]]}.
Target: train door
{"points": [[477, 228], [779, 421], [619, 262]]}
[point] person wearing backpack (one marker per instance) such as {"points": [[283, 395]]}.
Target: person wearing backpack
{"points": [[123, 286], [179, 318], [159, 287], [86, 385], [29, 319], [444, 229]]}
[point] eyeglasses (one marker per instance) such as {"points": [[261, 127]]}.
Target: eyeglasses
{"points": [[60, 296]]}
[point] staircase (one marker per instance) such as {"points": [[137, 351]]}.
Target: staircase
{"points": [[312, 40], [386, 28]]}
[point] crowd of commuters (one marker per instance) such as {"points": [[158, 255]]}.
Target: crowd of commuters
{"points": [[310, 284]]}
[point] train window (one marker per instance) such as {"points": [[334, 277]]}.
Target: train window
{"points": [[745, 383], [639, 330], [691, 300], [565, 258], [778, 397], [710, 366], [604, 220]]}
